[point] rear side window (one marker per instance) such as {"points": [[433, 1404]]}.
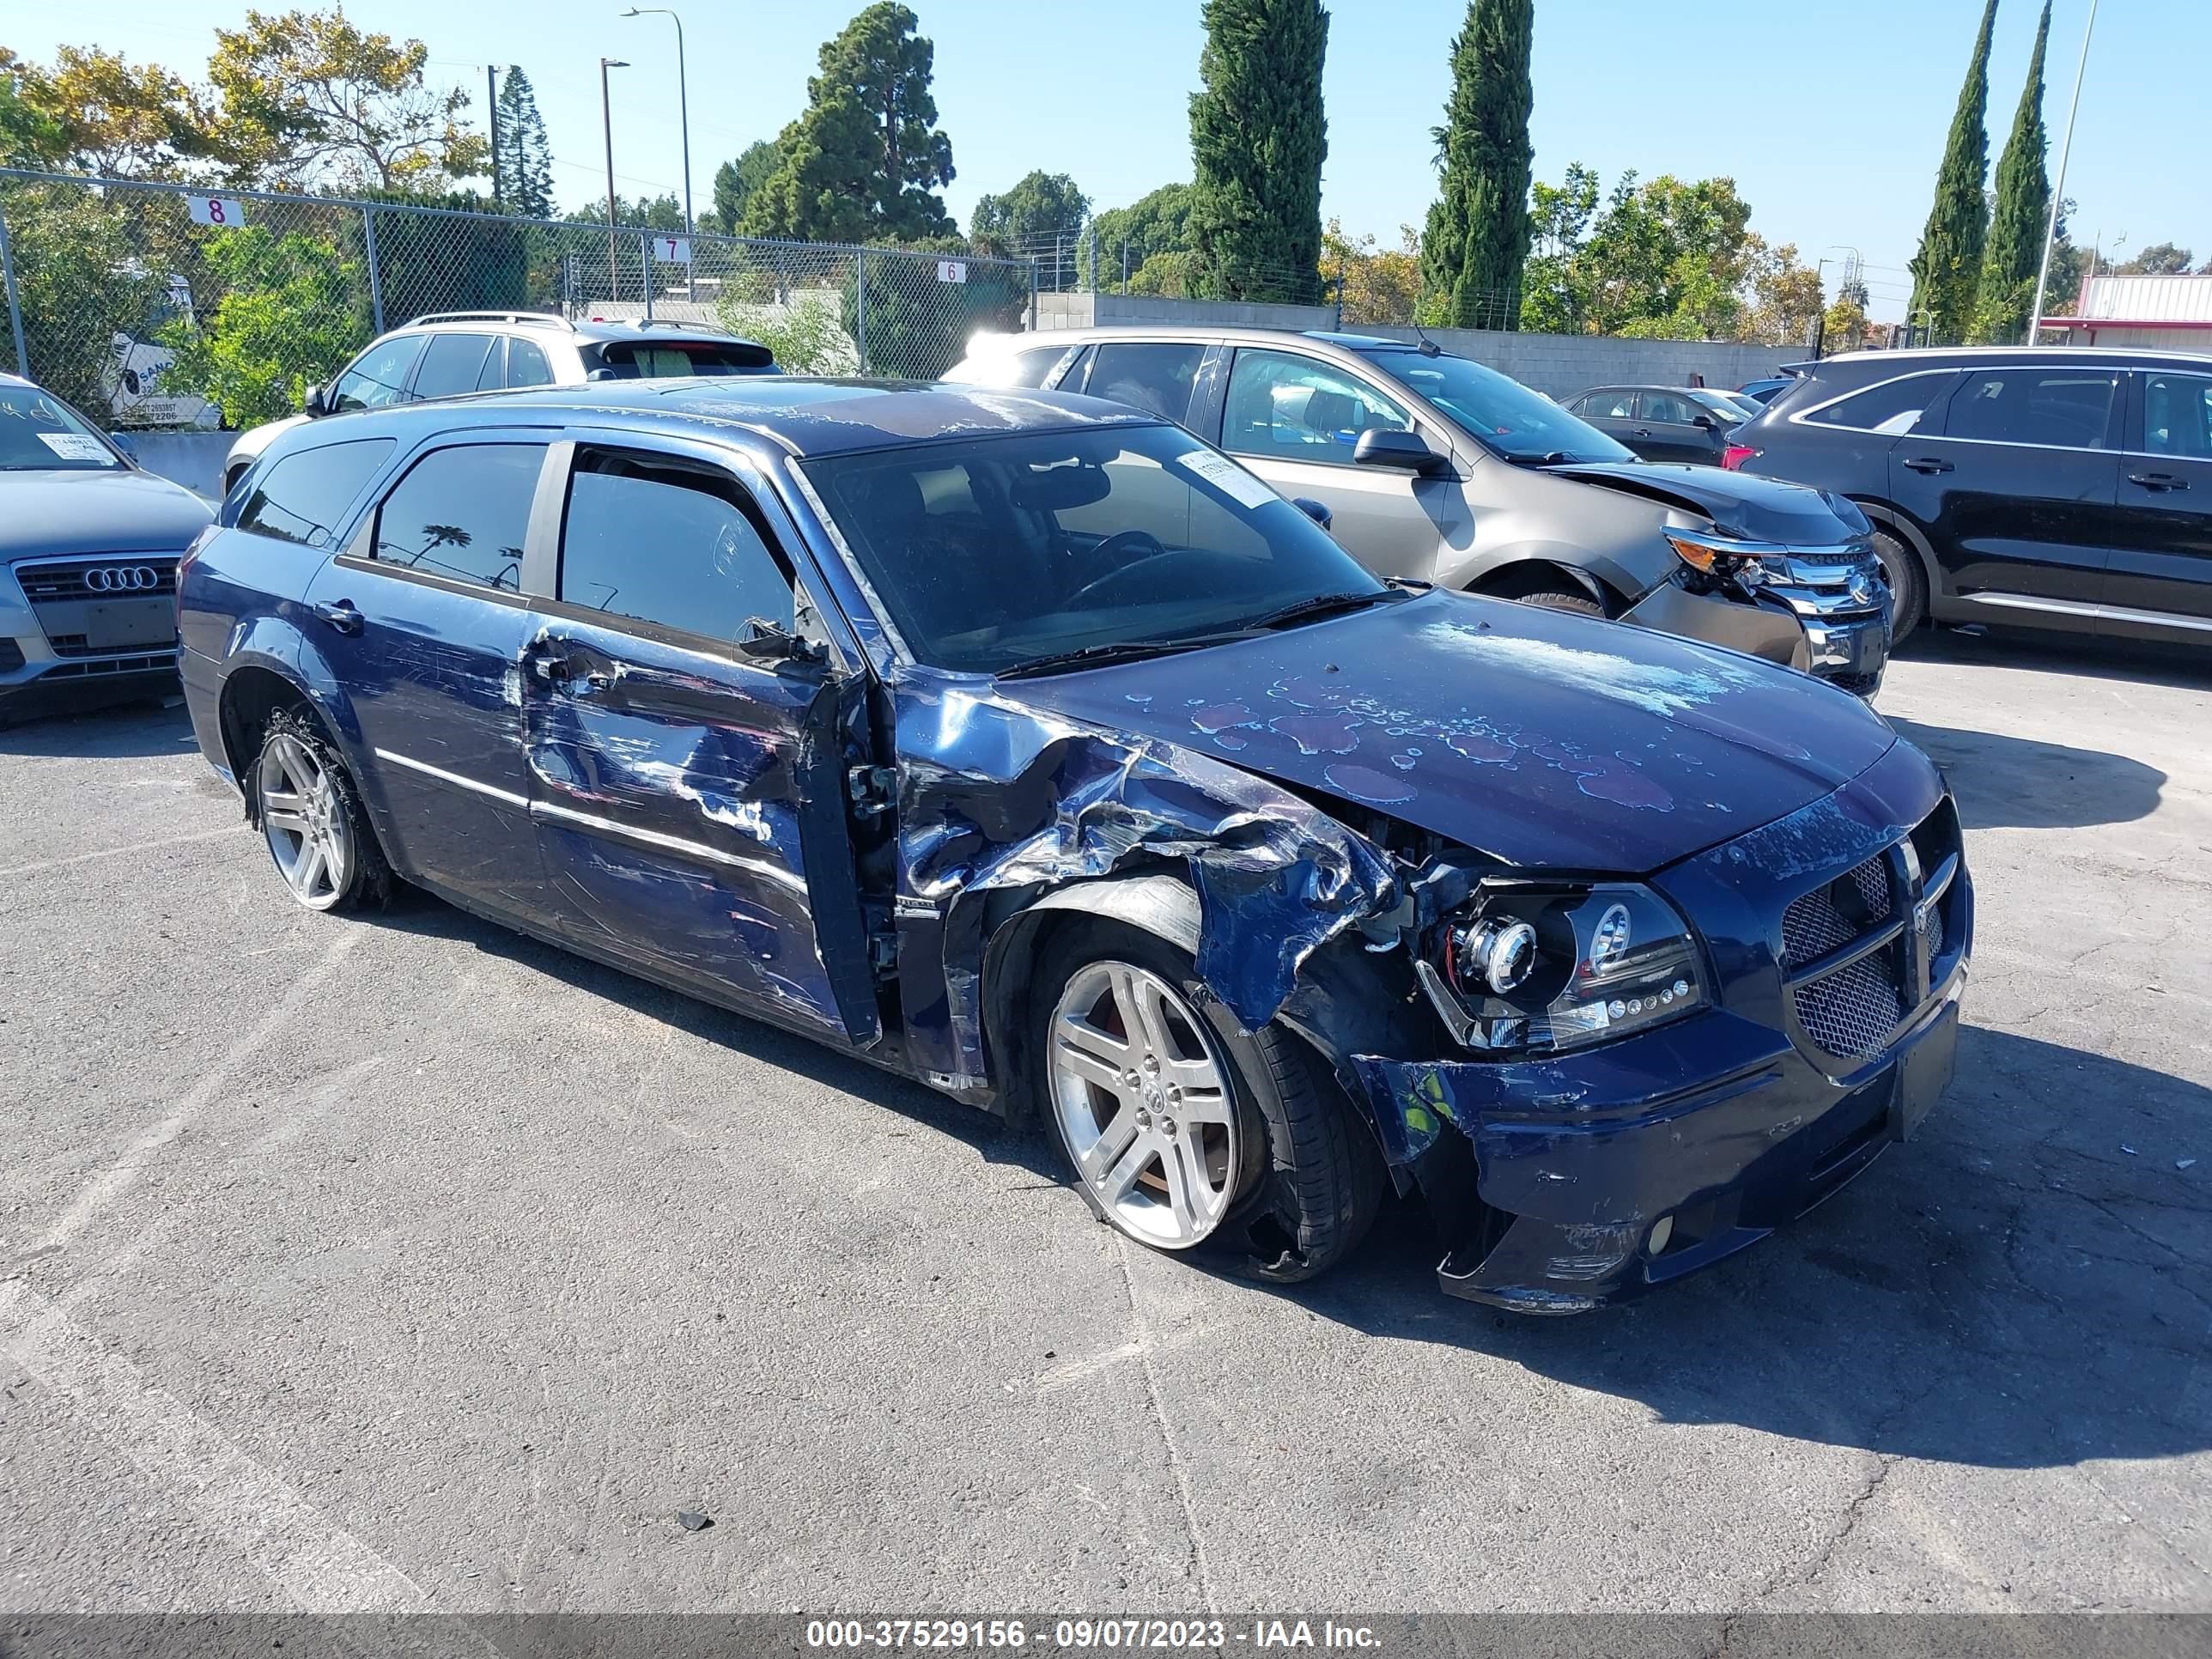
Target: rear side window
{"points": [[670, 545], [1894, 408], [1608, 406], [301, 497], [1031, 369], [378, 376], [2064, 408], [492, 375], [1156, 378], [526, 364], [463, 513], [452, 364], [2178, 415]]}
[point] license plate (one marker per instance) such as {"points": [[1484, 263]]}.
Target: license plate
{"points": [[125, 624], [1926, 1072]]}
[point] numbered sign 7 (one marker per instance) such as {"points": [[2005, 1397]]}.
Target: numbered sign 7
{"points": [[672, 250]]}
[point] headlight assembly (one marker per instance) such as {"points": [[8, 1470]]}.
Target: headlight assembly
{"points": [[1539, 969]]}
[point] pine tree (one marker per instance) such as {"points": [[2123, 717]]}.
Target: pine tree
{"points": [[865, 158], [526, 161], [2021, 217], [1947, 270], [1257, 139], [1476, 244]]}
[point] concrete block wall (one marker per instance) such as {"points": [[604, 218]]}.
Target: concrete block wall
{"points": [[1138, 310], [1561, 365]]}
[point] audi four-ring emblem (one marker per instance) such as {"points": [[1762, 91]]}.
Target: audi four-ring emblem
{"points": [[122, 579]]}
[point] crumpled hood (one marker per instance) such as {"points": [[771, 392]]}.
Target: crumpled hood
{"points": [[1548, 739], [111, 510], [1739, 504]]}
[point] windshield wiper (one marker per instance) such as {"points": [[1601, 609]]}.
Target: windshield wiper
{"points": [[1095, 656], [1320, 605]]}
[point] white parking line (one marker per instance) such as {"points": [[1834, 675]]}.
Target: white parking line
{"points": [[117, 852], [318, 1565], [104, 1188]]}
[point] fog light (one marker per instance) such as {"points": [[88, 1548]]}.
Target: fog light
{"points": [[1661, 1231]]}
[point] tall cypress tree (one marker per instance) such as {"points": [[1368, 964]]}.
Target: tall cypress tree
{"points": [[1477, 240], [1947, 272], [526, 161], [1257, 139], [2022, 215]]}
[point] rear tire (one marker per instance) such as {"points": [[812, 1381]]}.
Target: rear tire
{"points": [[1580, 604], [1295, 1180], [310, 814], [1908, 587]]}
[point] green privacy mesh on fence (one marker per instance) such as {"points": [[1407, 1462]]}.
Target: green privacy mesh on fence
{"points": [[149, 304]]}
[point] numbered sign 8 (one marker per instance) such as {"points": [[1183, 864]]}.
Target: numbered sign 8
{"points": [[672, 250], [217, 210]]}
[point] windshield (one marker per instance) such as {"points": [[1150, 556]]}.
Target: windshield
{"points": [[990, 554], [1726, 404], [1520, 424], [39, 433], [656, 359]]}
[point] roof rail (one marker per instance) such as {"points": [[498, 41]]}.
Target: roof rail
{"points": [[672, 322], [548, 318]]}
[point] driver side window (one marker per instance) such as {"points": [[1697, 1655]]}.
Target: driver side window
{"points": [[1294, 407]]}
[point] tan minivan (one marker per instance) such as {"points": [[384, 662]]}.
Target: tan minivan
{"points": [[1429, 466]]}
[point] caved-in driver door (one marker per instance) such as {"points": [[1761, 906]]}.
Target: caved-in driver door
{"points": [[687, 771]]}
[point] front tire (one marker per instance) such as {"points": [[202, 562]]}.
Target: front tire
{"points": [[1908, 587], [1183, 1131], [310, 815]]}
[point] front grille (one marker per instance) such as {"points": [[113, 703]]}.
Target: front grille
{"points": [[110, 576], [1831, 917], [1851, 1011]]}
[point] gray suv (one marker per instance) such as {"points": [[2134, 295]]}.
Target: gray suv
{"points": [[448, 353], [1432, 466]]}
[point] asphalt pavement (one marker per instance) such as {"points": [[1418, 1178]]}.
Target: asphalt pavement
{"points": [[400, 1263]]}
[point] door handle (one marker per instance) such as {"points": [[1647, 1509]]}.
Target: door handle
{"points": [[1642, 431], [341, 615], [552, 670], [1928, 464], [2159, 481]]}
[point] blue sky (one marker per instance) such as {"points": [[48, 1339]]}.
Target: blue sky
{"points": [[1830, 114]]}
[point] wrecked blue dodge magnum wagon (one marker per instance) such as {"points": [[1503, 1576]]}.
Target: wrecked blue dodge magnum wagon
{"points": [[1022, 744]]}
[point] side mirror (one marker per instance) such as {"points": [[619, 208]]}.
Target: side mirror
{"points": [[767, 642], [318, 400], [1704, 423], [1408, 452], [1317, 511]]}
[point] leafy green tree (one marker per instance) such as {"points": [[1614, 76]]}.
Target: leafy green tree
{"points": [[803, 331], [81, 285], [736, 181], [30, 136], [290, 315], [1257, 139], [1043, 216], [426, 263], [1374, 284], [1551, 300], [2022, 215], [866, 157], [1154, 224], [664, 212], [526, 159], [1475, 249], [97, 111], [2159, 259], [1946, 270], [312, 99]]}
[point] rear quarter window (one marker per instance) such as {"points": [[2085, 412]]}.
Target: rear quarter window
{"points": [[1892, 408], [302, 496]]}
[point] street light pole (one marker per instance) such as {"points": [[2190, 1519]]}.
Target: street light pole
{"points": [[607, 122], [683, 117], [2058, 192]]}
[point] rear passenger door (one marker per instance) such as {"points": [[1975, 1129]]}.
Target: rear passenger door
{"points": [[422, 621], [1158, 377], [2012, 480], [1611, 410], [686, 766], [2161, 567], [1666, 428]]}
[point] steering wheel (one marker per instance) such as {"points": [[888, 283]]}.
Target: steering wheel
{"points": [[1121, 541]]}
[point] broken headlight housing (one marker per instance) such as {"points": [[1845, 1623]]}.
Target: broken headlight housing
{"points": [[1541, 969]]}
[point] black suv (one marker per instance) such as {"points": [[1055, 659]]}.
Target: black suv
{"points": [[2053, 488]]}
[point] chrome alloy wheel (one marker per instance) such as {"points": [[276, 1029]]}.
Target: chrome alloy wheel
{"points": [[1141, 1095], [309, 831]]}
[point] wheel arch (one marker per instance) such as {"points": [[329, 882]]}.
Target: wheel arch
{"points": [[1518, 577], [1896, 523]]}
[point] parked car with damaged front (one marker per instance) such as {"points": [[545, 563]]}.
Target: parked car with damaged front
{"points": [[1025, 745]]}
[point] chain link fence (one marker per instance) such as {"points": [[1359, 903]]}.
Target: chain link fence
{"points": [[150, 303]]}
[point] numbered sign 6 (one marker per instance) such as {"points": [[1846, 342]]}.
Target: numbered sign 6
{"points": [[218, 210], [672, 250], [951, 270]]}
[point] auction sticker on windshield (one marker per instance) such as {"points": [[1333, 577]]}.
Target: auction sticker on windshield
{"points": [[1227, 476], [73, 445]]}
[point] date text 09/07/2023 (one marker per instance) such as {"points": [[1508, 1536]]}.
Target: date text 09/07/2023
{"points": [[1094, 1635]]}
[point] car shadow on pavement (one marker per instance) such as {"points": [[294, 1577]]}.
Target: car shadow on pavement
{"points": [[2017, 783], [415, 912], [2137, 662], [119, 732], [2027, 1283]]}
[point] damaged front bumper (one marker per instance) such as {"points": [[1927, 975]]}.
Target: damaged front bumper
{"points": [[1562, 1184]]}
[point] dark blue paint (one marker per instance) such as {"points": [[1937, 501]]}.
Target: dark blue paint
{"points": [[684, 815]]}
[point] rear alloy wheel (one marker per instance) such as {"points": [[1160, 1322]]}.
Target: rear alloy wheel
{"points": [[1908, 594], [312, 819]]}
